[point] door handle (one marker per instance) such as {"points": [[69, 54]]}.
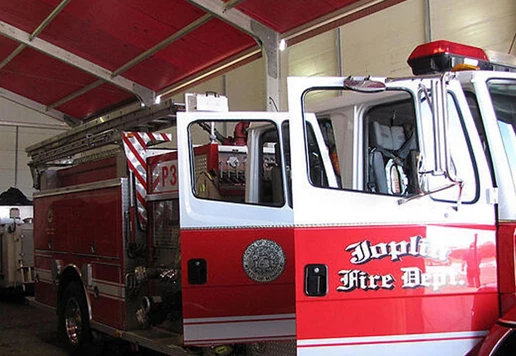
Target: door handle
{"points": [[197, 271], [316, 280]]}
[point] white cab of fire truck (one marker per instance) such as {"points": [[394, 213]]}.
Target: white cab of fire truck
{"points": [[414, 249]]}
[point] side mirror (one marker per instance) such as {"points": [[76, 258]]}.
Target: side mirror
{"points": [[434, 160]]}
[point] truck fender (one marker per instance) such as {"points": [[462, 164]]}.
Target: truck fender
{"points": [[71, 273], [503, 331]]}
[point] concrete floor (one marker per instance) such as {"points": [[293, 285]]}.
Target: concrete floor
{"points": [[28, 331]]}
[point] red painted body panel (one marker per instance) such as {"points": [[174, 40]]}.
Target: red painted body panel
{"points": [[78, 219], [440, 297], [229, 291], [109, 306], [45, 290], [88, 172], [45, 293], [506, 263], [84, 227]]}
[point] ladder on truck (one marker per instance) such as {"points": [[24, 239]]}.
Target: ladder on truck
{"points": [[95, 134]]}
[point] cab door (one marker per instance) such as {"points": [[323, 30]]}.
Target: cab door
{"points": [[237, 246], [405, 265]]}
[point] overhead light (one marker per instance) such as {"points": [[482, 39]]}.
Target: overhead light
{"points": [[282, 45], [157, 100]]}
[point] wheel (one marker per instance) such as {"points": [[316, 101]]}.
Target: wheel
{"points": [[73, 320]]}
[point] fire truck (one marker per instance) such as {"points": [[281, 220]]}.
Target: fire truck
{"points": [[376, 216], [16, 249]]}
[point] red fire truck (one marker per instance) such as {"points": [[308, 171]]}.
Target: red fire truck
{"points": [[377, 216]]}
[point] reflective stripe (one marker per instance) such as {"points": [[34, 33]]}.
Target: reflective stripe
{"points": [[108, 289], [135, 147], [241, 328], [410, 344]]}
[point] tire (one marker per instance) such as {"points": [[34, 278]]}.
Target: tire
{"points": [[73, 320]]}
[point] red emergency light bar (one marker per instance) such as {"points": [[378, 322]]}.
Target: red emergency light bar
{"points": [[442, 56]]}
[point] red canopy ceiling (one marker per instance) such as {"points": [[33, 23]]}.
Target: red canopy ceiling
{"points": [[85, 40]]}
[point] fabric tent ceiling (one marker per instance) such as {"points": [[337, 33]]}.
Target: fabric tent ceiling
{"points": [[79, 58]]}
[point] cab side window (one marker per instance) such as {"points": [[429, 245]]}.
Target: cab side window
{"points": [[390, 133], [369, 146], [241, 167]]}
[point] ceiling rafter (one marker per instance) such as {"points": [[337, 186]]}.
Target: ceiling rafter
{"points": [[19, 99], [36, 32], [138, 59], [38, 107], [161, 45], [227, 13], [146, 95]]}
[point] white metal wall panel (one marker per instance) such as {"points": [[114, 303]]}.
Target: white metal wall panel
{"points": [[28, 136], [213, 85], [245, 87], [14, 171], [486, 24], [315, 57], [380, 44], [8, 140]]}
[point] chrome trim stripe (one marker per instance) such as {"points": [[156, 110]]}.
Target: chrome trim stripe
{"points": [[324, 225], [80, 188], [163, 196], [240, 340], [217, 331], [96, 256], [48, 253], [240, 318], [108, 289], [391, 338]]}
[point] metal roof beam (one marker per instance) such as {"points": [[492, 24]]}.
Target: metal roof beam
{"points": [[167, 41], [267, 38], [36, 32], [146, 95], [138, 59], [227, 13], [33, 105], [48, 19], [76, 94]]}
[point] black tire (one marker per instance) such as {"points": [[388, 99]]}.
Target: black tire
{"points": [[73, 320]]}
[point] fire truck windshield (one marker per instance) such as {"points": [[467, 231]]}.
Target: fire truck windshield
{"points": [[503, 96]]}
